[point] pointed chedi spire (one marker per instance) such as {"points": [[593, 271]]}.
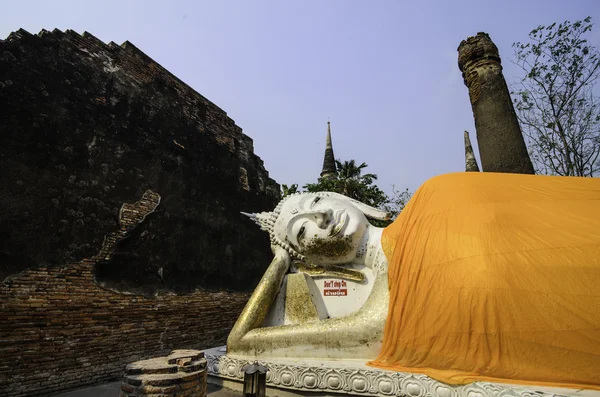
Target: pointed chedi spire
{"points": [[329, 170], [470, 160]]}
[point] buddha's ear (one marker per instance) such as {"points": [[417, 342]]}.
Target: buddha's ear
{"points": [[370, 212]]}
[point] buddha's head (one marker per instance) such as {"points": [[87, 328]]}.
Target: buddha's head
{"points": [[324, 227]]}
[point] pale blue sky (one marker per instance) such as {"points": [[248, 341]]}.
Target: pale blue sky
{"points": [[384, 72]]}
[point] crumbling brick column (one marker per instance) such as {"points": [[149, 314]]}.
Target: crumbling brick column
{"points": [[181, 374], [501, 144]]}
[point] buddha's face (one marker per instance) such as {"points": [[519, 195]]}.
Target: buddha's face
{"points": [[326, 230]]}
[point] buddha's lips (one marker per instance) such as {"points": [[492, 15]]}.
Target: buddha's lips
{"points": [[339, 222]]}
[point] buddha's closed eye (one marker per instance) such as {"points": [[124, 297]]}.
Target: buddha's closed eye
{"points": [[301, 232]]}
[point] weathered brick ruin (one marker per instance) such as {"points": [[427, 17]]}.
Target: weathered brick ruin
{"points": [[501, 144], [120, 225], [470, 160], [61, 331]]}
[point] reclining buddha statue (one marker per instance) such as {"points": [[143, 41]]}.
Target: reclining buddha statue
{"points": [[482, 276]]}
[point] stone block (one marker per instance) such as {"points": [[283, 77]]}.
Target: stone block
{"points": [[181, 373]]}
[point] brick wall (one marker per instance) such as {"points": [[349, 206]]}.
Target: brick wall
{"points": [[92, 128], [59, 330], [92, 125]]}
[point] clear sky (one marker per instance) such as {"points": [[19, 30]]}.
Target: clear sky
{"points": [[384, 72]]}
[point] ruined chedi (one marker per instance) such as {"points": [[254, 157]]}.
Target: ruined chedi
{"points": [[470, 160], [329, 169], [501, 144]]}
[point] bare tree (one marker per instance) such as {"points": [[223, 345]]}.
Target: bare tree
{"points": [[555, 101]]}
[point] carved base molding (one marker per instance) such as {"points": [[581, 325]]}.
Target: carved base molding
{"points": [[355, 378]]}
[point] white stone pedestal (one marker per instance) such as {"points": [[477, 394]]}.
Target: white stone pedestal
{"points": [[316, 378]]}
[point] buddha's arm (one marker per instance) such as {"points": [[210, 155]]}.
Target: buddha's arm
{"points": [[262, 298], [358, 335]]}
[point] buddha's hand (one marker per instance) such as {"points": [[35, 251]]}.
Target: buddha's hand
{"points": [[283, 256]]}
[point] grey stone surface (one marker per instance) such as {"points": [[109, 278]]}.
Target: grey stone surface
{"points": [[112, 390]]}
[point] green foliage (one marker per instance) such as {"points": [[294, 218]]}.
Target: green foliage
{"points": [[350, 181], [287, 190], [555, 100]]}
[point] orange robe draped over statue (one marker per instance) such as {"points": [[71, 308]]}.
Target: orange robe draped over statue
{"points": [[496, 277]]}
